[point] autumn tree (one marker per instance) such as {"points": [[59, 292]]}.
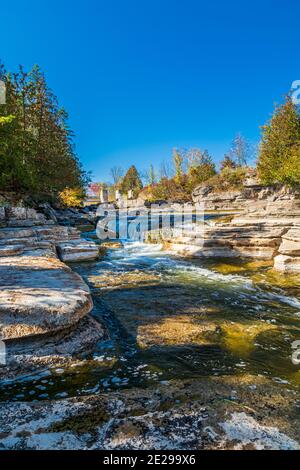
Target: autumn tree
{"points": [[202, 168], [150, 176], [178, 164], [227, 163]]}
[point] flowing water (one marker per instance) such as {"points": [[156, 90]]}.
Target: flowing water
{"points": [[166, 318]]}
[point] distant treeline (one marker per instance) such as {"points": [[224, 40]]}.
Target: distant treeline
{"points": [[37, 155], [277, 158]]}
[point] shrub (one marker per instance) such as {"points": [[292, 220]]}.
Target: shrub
{"points": [[72, 197]]}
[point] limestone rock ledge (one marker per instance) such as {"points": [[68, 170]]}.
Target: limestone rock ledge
{"points": [[288, 259], [77, 250], [266, 230], [44, 305], [39, 294], [186, 415]]}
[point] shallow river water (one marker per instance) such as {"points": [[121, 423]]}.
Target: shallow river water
{"points": [[166, 318]]}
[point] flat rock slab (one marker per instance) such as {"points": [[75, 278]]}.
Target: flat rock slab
{"points": [[188, 415], [39, 294], [78, 250]]}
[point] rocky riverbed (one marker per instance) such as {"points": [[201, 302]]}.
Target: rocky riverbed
{"points": [[175, 354]]}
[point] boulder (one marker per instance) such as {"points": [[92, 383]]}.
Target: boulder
{"points": [[39, 295], [77, 250], [287, 264], [290, 247]]}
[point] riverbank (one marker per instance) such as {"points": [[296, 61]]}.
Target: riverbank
{"points": [[44, 305]]}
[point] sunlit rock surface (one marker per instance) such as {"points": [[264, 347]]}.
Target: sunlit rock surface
{"points": [[288, 260], [77, 250], [43, 303], [247, 412], [265, 231], [235, 200], [39, 294]]}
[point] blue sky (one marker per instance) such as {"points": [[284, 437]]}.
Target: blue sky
{"points": [[139, 77]]}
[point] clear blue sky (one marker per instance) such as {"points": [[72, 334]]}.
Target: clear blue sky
{"points": [[140, 77]]}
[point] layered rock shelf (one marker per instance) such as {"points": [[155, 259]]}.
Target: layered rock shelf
{"points": [[241, 199], [266, 230], [44, 305], [288, 259], [77, 250]]}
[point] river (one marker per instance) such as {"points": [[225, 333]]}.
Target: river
{"points": [[171, 318]]}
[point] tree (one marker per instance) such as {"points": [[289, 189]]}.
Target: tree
{"points": [[227, 162], [37, 153], [150, 176], [165, 170], [195, 157], [240, 151], [178, 162], [131, 182], [71, 197], [279, 148], [117, 174], [201, 169]]}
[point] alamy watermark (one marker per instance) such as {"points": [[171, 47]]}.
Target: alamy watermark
{"points": [[296, 92], [151, 223], [2, 92], [2, 353], [296, 353]]}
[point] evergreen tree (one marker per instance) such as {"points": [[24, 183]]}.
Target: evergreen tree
{"points": [[37, 153], [279, 150], [131, 182]]}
